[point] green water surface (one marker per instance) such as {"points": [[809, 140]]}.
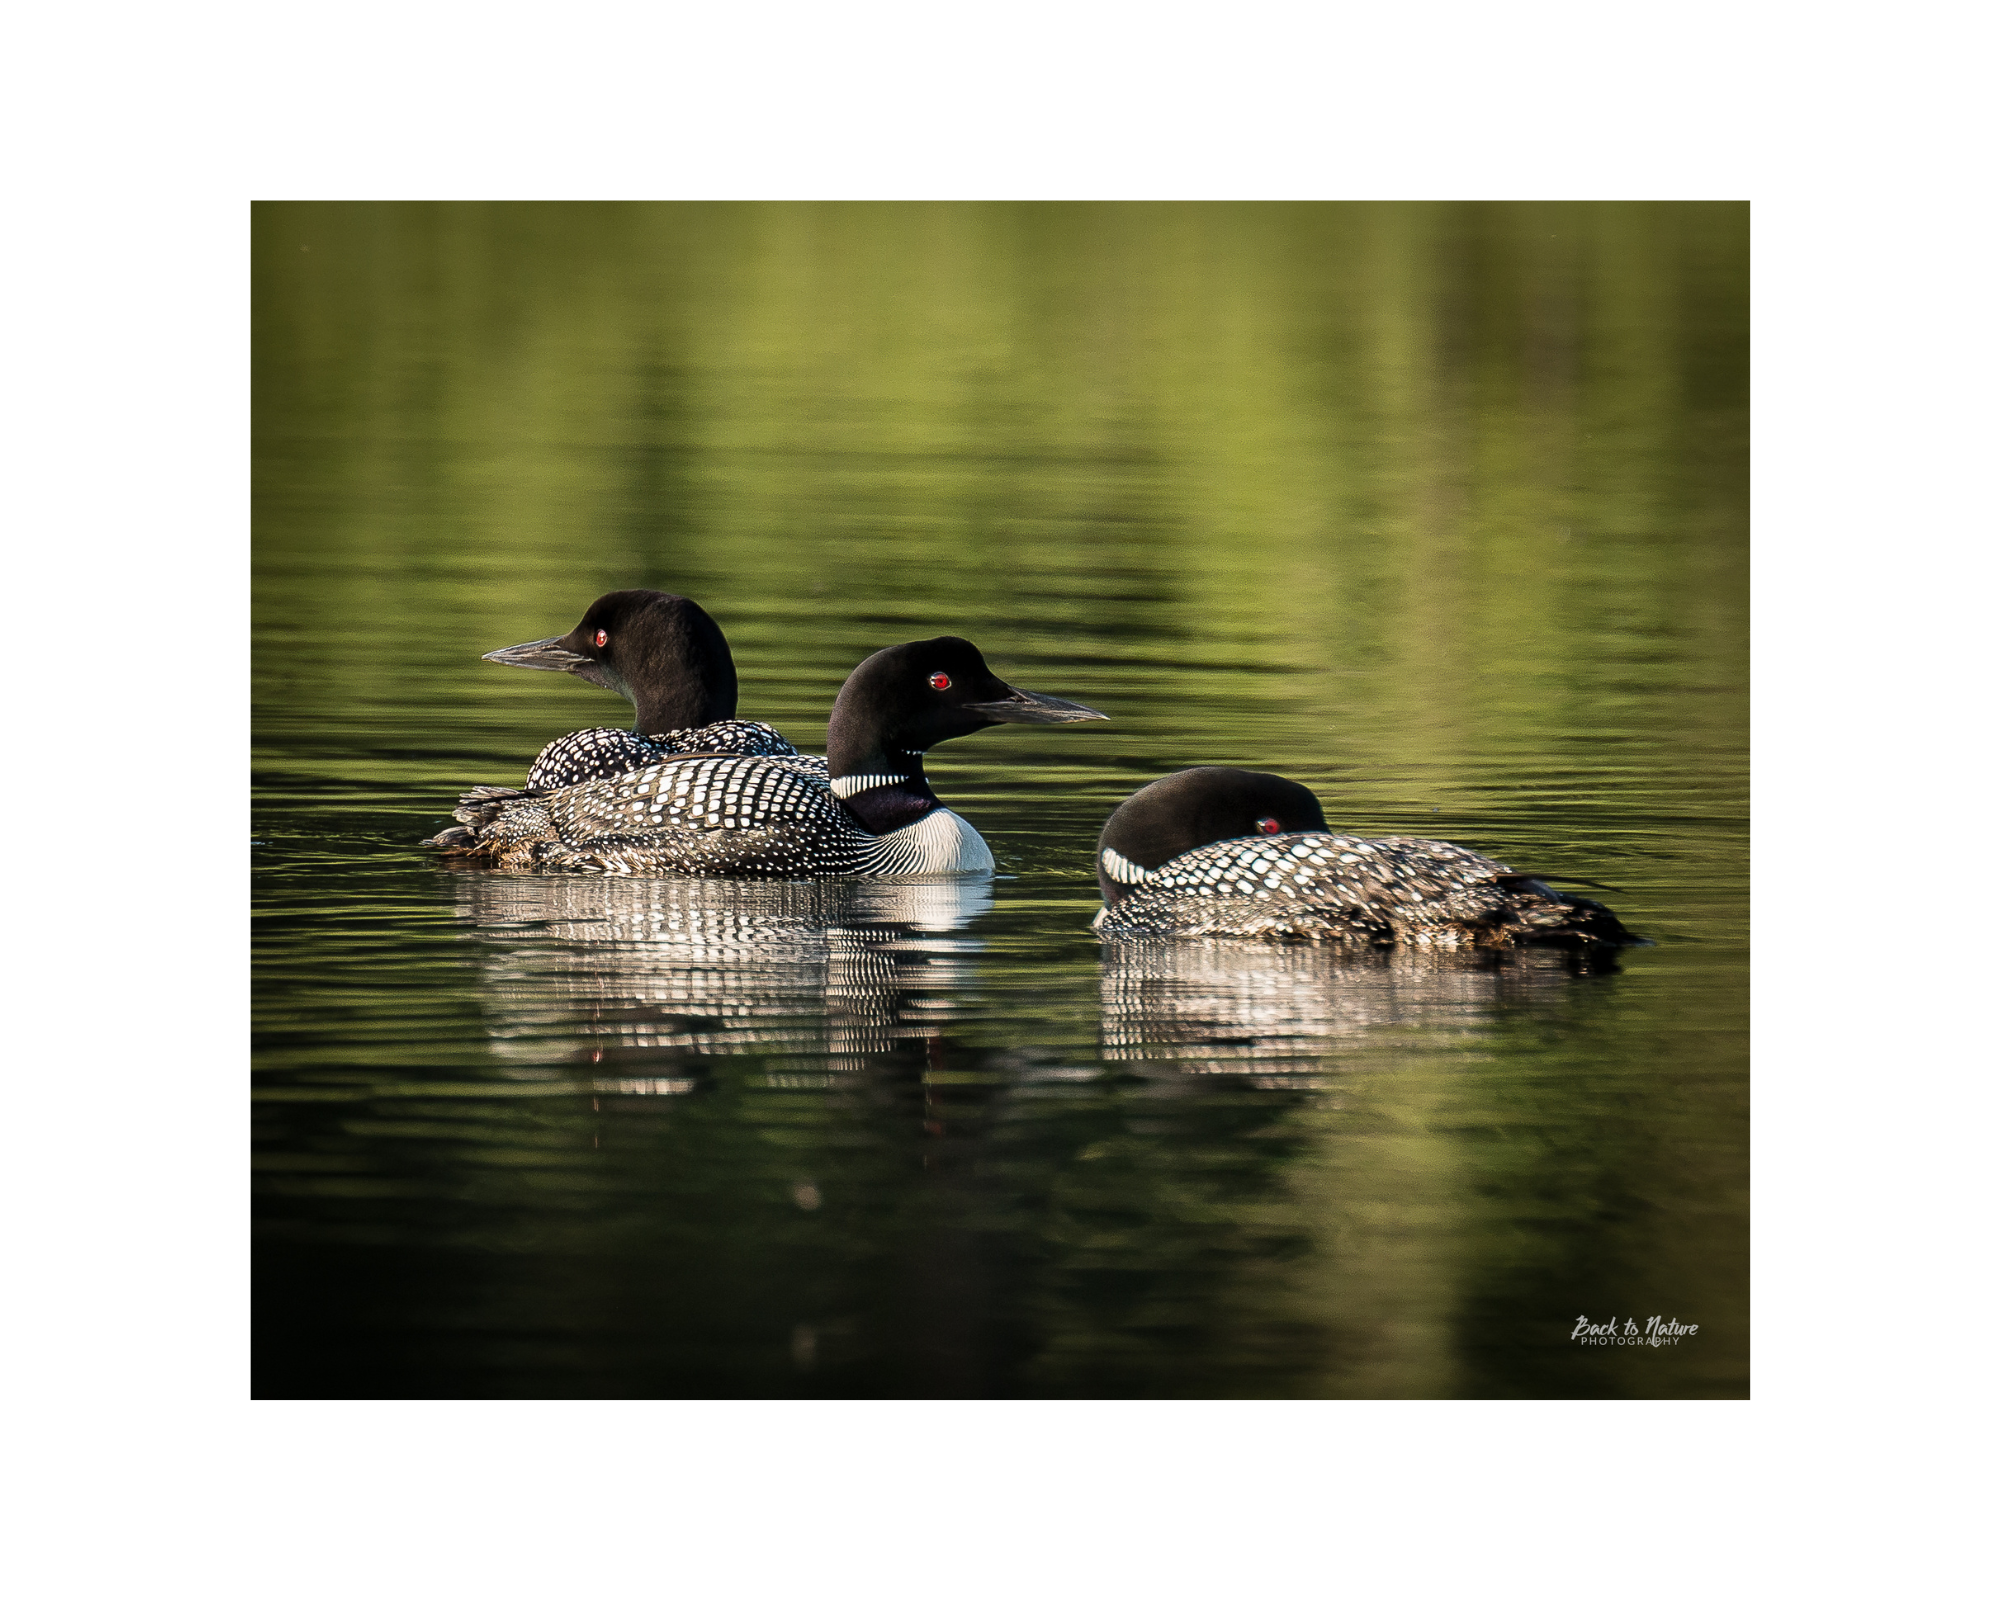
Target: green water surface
{"points": [[1440, 510]]}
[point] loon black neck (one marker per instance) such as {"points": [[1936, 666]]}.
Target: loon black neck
{"points": [[689, 701], [892, 806], [882, 790], [677, 672], [687, 705]]}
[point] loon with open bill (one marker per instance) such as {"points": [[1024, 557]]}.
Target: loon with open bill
{"points": [[1222, 852], [667, 656], [868, 812]]}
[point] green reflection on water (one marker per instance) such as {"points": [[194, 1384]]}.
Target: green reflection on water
{"points": [[1441, 510]]}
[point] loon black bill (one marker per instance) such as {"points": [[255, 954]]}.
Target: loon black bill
{"points": [[544, 655], [1027, 706]]}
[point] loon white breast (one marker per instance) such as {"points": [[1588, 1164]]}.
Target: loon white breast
{"points": [[868, 810], [1221, 852]]}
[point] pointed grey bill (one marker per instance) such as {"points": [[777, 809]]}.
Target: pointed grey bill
{"points": [[1024, 705], [545, 655]]}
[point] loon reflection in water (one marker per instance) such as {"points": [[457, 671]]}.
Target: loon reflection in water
{"points": [[618, 973], [838, 968], [1223, 1006]]}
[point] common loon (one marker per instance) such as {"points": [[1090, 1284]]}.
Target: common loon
{"points": [[1221, 851], [867, 813], [667, 656]]}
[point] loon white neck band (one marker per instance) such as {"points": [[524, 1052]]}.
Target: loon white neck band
{"points": [[846, 788], [1119, 870]]}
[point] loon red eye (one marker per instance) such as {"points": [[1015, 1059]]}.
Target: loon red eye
{"points": [[1267, 824], [940, 681], [603, 638]]}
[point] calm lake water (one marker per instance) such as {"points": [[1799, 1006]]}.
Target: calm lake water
{"points": [[1440, 510]]}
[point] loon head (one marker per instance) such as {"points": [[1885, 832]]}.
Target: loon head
{"points": [[901, 701], [1202, 805], [660, 651]]}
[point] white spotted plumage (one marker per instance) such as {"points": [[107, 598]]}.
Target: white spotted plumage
{"points": [[723, 816], [594, 753], [1336, 888]]}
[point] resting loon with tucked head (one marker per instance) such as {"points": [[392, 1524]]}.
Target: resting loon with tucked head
{"points": [[868, 812], [1218, 851], [664, 654]]}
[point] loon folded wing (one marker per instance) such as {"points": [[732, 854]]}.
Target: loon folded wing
{"points": [[1333, 868], [693, 794], [592, 754]]}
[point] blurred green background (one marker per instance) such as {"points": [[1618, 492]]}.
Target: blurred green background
{"points": [[1440, 509]]}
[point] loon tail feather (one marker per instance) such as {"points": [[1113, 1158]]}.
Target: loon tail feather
{"points": [[1589, 923], [1515, 880], [480, 807], [503, 826], [1555, 918]]}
